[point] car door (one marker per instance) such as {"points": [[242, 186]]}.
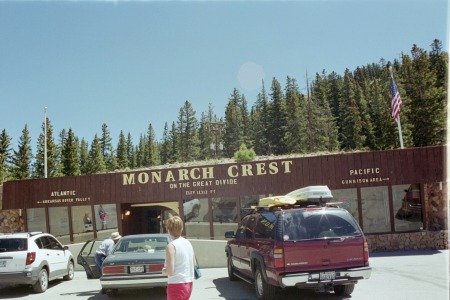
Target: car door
{"points": [[236, 245], [54, 254], [86, 258], [246, 245]]}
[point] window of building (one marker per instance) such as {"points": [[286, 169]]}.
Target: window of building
{"points": [[106, 218], [59, 223], [349, 199], [247, 202], [82, 224], [407, 207], [196, 218], [375, 209], [36, 219], [224, 215]]}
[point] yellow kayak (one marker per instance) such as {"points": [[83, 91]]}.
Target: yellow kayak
{"points": [[309, 194], [277, 200]]}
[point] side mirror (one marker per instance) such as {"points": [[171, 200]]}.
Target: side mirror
{"points": [[229, 235]]}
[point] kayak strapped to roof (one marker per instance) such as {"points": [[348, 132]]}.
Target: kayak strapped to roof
{"points": [[310, 195]]}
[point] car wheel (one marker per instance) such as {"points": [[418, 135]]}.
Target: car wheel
{"points": [[230, 266], [344, 290], [42, 284], [264, 291], [112, 292], [70, 272]]}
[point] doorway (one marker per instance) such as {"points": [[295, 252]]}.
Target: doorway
{"points": [[154, 224]]}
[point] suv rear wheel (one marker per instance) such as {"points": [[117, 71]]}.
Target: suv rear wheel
{"points": [[264, 291], [41, 285], [344, 290]]}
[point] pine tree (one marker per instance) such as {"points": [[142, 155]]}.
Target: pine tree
{"points": [[350, 118], [96, 162], [84, 157], [312, 117], [260, 124], [232, 136], [295, 122], [70, 162], [278, 120], [165, 145], [107, 148], [366, 122], [21, 160], [173, 144], [438, 64], [384, 128], [122, 157], [210, 133], [245, 123], [188, 133], [327, 131], [151, 151], [141, 151], [427, 102], [5, 156], [131, 154]]}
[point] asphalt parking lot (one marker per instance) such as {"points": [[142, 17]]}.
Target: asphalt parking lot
{"points": [[413, 275]]}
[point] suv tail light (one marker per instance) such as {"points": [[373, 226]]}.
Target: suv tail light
{"points": [[278, 257], [31, 257], [366, 253]]}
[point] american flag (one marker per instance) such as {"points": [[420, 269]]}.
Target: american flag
{"points": [[396, 100]]}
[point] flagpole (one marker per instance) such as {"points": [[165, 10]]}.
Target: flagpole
{"points": [[400, 135], [45, 142]]}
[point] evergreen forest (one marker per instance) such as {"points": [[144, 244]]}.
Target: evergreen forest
{"points": [[338, 112]]}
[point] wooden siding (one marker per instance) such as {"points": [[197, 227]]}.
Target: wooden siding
{"points": [[338, 171]]}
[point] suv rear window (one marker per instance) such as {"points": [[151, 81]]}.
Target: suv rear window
{"points": [[13, 245], [317, 224]]}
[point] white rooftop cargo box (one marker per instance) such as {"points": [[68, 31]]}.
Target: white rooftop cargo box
{"points": [[315, 192]]}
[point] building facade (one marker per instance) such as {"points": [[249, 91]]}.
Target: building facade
{"points": [[397, 196]]}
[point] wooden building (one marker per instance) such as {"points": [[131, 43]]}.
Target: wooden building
{"points": [[397, 196]]}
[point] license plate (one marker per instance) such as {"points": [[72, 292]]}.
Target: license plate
{"points": [[2, 263], [137, 269], [331, 275]]}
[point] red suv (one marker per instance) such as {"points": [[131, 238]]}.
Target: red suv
{"points": [[305, 247]]}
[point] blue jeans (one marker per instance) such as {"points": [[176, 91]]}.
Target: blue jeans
{"points": [[99, 258]]}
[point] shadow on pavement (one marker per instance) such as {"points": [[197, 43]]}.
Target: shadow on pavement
{"points": [[240, 290], [20, 291], [16, 292]]}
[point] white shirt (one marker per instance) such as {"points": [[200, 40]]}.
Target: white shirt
{"points": [[184, 262]]}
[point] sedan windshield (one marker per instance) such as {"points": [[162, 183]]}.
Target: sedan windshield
{"points": [[149, 245]]}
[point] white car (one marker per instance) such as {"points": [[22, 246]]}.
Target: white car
{"points": [[33, 258]]}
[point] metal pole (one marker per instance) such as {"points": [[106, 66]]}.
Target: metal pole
{"points": [[45, 142]]}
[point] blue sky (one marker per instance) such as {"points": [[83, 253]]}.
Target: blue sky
{"points": [[131, 63]]}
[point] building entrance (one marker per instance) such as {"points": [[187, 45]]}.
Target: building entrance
{"points": [[154, 219]]}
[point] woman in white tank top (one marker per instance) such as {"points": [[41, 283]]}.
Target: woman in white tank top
{"points": [[179, 265]]}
